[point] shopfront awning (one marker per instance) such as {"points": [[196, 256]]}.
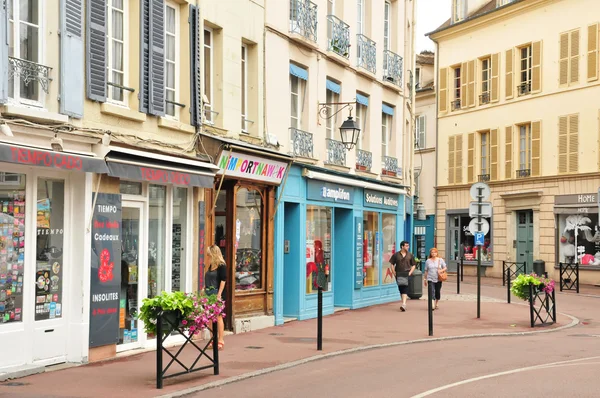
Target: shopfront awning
{"points": [[158, 168], [40, 157], [351, 182]]}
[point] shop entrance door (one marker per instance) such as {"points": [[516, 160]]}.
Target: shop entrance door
{"points": [[454, 250], [525, 238]]}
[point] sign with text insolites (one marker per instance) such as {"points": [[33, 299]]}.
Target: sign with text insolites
{"points": [[381, 200], [235, 164], [329, 192]]}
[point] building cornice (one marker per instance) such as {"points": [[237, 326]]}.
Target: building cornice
{"points": [[521, 181]]}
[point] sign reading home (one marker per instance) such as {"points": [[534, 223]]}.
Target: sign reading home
{"points": [[329, 192], [381, 200], [235, 164]]}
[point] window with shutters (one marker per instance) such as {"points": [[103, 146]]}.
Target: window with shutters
{"points": [[420, 129], [484, 138], [569, 58], [525, 70], [171, 57], [386, 123], [486, 80], [361, 121], [297, 95], [28, 78], [208, 76], [524, 150], [116, 39], [455, 159], [244, 93], [568, 144], [456, 88], [592, 51]]}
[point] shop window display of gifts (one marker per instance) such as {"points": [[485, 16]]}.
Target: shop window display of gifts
{"points": [[578, 243]]}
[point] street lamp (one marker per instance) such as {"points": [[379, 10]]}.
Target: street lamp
{"points": [[349, 130]]}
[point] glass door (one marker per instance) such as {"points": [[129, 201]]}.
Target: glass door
{"points": [[455, 250]]}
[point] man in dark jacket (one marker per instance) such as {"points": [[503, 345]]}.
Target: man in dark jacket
{"points": [[404, 265]]}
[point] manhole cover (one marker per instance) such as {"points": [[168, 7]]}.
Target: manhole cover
{"points": [[254, 347], [14, 384]]}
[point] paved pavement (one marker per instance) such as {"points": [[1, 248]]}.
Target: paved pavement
{"points": [[134, 376]]}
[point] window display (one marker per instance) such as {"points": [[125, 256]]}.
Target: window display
{"points": [[49, 248], [156, 240], [318, 247], [389, 247], [248, 240], [579, 237], [12, 246], [462, 239], [129, 275], [371, 248], [179, 238]]}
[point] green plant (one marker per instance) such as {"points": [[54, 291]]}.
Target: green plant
{"points": [[175, 301], [520, 286]]}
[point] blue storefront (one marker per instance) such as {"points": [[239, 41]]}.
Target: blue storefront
{"points": [[350, 226]]}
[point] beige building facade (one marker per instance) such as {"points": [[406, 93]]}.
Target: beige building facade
{"points": [[517, 110]]}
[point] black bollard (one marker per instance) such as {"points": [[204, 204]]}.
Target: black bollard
{"points": [[320, 319], [215, 337], [159, 352], [430, 307]]}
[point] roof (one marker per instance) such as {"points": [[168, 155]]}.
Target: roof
{"points": [[426, 59]]}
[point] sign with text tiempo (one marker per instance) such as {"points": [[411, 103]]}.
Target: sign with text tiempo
{"points": [[241, 165]]}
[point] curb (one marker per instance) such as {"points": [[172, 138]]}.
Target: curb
{"points": [[219, 383], [573, 294]]}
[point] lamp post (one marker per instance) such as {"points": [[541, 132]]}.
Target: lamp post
{"points": [[349, 130]]}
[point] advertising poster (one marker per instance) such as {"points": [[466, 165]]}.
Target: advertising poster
{"points": [[106, 270]]}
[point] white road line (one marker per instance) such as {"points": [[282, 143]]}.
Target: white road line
{"points": [[508, 372]]}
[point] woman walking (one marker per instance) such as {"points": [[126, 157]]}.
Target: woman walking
{"points": [[432, 267], [214, 283]]}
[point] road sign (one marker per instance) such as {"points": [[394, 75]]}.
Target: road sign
{"points": [[479, 239], [486, 209], [485, 191], [473, 228]]}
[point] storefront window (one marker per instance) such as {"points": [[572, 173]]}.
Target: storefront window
{"points": [[462, 238], [49, 248], [579, 235], [318, 246], [179, 238], [12, 246], [248, 240], [156, 239], [371, 248], [130, 188], [129, 275], [389, 246]]}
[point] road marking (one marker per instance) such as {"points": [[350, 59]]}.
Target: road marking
{"points": [[505, 373]]}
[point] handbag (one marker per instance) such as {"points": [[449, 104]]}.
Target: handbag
{"points": [[442, 273]]}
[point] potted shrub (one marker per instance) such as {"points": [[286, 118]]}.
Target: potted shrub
{"points": [[520, 285]]}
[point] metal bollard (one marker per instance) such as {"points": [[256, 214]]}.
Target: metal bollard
{"points": [[430, 307]]}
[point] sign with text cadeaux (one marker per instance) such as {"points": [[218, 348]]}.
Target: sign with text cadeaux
{"points": [[235, 164], [106, 270]]}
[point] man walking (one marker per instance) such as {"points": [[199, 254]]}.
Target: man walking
{"points": [[404, 265]]}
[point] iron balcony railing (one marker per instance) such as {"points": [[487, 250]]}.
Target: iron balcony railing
{"points": [[336, 152], [455, 105], [338, 35], [523, 173], [484, 177], [390, 166], [524, 88], [364, 160], [484, 98], [29, 71], [301, 143], [392, 67], [367, 53], [303, 19]]}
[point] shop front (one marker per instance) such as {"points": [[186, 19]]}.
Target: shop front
{"points": [[460, 242], [348, 227]]}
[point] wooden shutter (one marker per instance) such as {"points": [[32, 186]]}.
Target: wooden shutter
{"points": [[471, 157], [494, 154], [592, 53], [563, 144], [574, 57], [96, 50], [451, 159], [495, 89], [443, 100], [510, 81], [536, 137], [463, 85], [536, 73], [471, 84], [563, 62], [152, 63], [508, 154], [72, 57], [195, 63], [573, 144], [458, 165]]}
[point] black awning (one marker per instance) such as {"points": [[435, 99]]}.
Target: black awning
{"points": [[32, 156], [140, 168]]}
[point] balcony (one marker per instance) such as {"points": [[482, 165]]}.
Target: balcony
{"points": [[336, 153], [338, 35], [364, 160], [524, 88], [484, 177], [367, 53], [301, 143], [455, 105], [303, 19], [523, 173], [29, 71], [389, 166], [392, 68], [484, 98]]}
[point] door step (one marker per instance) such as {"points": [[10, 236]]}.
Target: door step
{"points": [[20, 371]]}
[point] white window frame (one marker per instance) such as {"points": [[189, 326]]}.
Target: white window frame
{"points": [[361, 119], [420, 125], [41, 55], [109, 47], [484, 148], [529, 60], [458, 10], [387, 28], [331, 122], [500, 3], [208, 107], [244, 86], [299, 98], [360, 21], [417, 78], [486, 81], [385, 133], [525, 146], [331, 7], [175, 7]]}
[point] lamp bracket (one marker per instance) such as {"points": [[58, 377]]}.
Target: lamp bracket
{"points": [[324, 108]]}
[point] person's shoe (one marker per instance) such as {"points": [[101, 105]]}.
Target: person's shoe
{"points": [[403, 307]]}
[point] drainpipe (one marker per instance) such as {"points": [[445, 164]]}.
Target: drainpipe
{"points": [[437, 135], [264, 76]]}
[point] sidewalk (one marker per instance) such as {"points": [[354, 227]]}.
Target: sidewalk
{"points": [[134, 376]]}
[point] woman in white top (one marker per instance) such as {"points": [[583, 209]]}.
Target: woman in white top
{"points": [[433, 264]]}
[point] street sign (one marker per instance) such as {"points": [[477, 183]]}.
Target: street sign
{"points": [[485, 191], [486, 209], [479, 239], [473, 228]]}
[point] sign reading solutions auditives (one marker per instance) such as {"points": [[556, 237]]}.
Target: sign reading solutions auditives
{"points": [[235, 164], [106, 270], [381, 200]]}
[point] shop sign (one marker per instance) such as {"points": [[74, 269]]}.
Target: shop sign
{"points": [[105, 270], [358, 265], [585, 199], [55, 160], [381, 200], [235, 164], [321, 190]]}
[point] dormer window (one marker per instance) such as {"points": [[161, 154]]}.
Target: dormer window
{"points": [[500, 3], [458, 10]]}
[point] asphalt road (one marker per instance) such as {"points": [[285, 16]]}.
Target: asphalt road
{"points": [[558, 364]]}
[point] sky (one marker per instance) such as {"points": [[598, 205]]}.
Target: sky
{"points": [[430, 15]]}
